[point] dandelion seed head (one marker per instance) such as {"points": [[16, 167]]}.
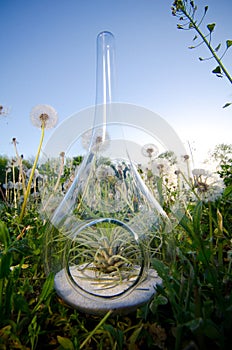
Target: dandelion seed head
{"points": [[44, 115], [36, 173], [186, 157], [95, 140], [150, 150], [198, 172], [209, 186], [161, 166]]}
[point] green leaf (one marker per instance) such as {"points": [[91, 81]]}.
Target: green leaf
{"points": [[187, 225], [133, 338], [4, 235], [65, 343], [228, 43], [227, 104], [117, 335], [158, 300], [227, 191], [211, 27], [217, 71], [194, 324], [20, 303], [197, 218], [5, 263], [218, 47], [46, 290]]}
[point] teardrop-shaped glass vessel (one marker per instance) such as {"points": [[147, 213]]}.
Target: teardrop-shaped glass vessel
{"points": [[98, 242]]}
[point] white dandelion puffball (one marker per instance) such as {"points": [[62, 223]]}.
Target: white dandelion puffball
{"points": [[95, 140], [150, 150], [209, 186], [44, 114]]}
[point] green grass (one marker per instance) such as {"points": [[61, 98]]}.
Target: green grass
{"points": [[191, 309]]}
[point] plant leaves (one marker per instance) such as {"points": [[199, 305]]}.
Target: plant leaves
{"points": [[227, 104], [211, 27], [117, 335], [65, 343], [5, 263], [158, 300], [228, 43], [46, 291], [227, 191], [197, 218], [4, 235], [218, 47], [133, 338], [217, 71], [194, 324]]}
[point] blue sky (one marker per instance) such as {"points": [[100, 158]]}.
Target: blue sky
{"points": [[48, 56]]}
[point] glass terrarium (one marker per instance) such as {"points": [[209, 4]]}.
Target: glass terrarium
{"points": [[98, 241]]}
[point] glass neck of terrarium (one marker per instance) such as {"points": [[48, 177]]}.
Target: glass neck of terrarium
{"points": [[105, 77]]}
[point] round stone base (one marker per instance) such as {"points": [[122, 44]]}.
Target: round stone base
{"points": [[98, 305]]}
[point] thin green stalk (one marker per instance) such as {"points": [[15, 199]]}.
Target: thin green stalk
{"points": [[32, 174], [14, 189], [95, 329], [211, 229], [218, 60]]}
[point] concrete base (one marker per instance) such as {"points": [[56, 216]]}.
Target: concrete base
{"points": [[98, 305]]}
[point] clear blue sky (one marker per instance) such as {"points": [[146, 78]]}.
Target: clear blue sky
{"points": [[48, 56]]}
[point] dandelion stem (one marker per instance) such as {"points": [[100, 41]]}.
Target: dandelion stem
{"points": [[32, 173]]}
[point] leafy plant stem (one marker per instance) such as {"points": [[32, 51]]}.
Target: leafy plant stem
{"points": [[207, 43]]}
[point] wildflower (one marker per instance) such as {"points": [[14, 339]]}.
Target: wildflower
{"points": [[150, 150], [97, 140], [208, 186], [160, 167], [44, 116]]}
